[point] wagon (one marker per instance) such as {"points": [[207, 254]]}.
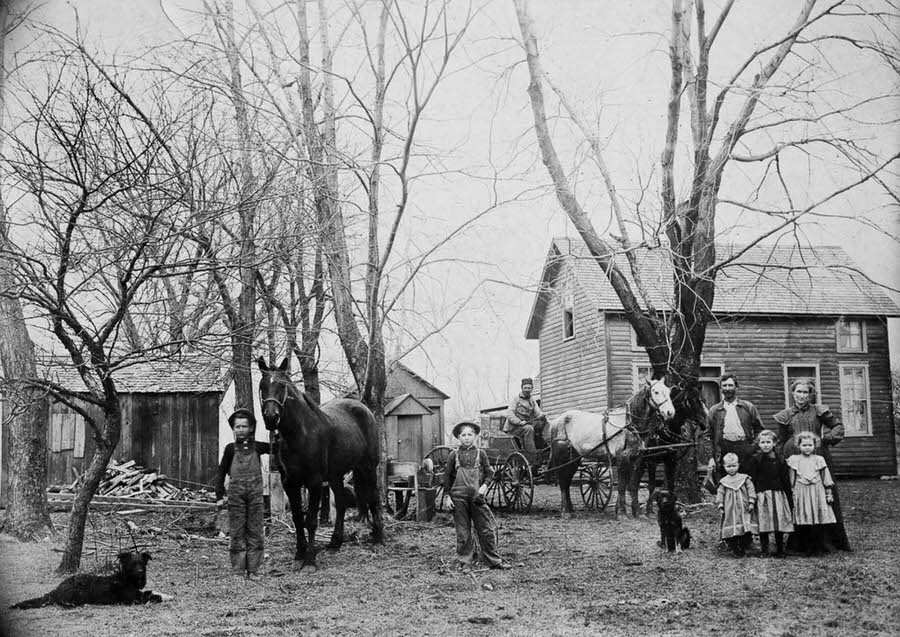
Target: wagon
{"points": [[516, 471]]}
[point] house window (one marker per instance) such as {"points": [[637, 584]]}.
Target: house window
{"points": [[855, 403], [637, 345], [568, 305], [66, 430], [851, 336], [709, 383], [796, 371], [641, 373]]}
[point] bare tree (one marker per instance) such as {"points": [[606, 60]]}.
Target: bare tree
{"points": [[100, 217], [27, 516], [762, 115]]}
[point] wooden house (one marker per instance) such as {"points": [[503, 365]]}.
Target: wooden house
{"points": [[413, 415], [778, 315], [173, 415]]}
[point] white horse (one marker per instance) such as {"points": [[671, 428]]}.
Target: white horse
{"points": [[615, 434]]}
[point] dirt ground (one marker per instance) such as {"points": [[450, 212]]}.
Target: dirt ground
{"points": [[592, 574]]}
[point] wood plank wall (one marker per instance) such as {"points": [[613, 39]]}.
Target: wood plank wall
{"points": [[573, 371], [176, 434]]}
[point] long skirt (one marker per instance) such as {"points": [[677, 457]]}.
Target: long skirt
{"points": [[773, 512]]}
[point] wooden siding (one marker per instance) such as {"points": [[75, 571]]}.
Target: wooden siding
{"points": [[175, 434], [573, 371], [756, 349]]}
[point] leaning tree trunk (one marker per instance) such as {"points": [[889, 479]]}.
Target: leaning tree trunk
{"points": [[106, 438]]}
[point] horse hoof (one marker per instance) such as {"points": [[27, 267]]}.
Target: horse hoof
{"points": [[310, 568], [333, 546], [565, 515], [297, 566]]}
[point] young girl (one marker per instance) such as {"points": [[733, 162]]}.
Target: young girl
{"points": [[736, 499], [812, 483], [240, 462], [769, 473], [466, 483]]}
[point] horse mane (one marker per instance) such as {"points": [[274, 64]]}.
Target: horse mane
{"points": [[295, 392]]}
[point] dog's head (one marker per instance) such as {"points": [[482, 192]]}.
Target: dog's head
{"points": [[665, 500], [134, 567]]}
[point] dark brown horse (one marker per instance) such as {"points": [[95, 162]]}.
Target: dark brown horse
{"points": [[316, 445]]}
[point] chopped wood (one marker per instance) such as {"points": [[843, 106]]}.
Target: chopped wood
{"points": [[130, 480]]}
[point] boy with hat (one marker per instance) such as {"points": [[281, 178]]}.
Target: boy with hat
{"points": [[241, 463], [466, 483]]}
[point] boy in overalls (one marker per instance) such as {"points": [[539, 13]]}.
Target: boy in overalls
{"points": [[241, 463], [466, 483]]}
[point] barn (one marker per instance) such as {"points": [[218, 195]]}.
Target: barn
{"points": [[172, 417], [801, 314]]}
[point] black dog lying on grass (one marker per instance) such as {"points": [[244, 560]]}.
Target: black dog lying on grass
{"points": [[673, 535], [124, 587]]}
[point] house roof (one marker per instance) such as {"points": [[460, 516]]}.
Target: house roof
{"points": [[187, 374], [412, 406], [765, 280], [416, 377]]}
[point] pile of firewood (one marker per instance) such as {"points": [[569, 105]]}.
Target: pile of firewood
{"points": [[130, 480]]}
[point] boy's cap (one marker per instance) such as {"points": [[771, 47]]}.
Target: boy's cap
{"points": [[527, 381], [242, 413], [466, 423]]}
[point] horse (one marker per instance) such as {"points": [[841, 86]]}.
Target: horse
{"points": [[576, 433], [660, 431], [316, 445]]}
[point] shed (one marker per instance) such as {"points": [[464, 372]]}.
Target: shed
{"points": [[404, 426], [409, 396], [171, 420]]}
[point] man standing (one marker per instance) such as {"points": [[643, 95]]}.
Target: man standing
{"points": [[523, 411], [731, 426]]}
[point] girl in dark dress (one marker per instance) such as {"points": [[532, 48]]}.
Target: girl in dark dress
{"points": [[770, 475]]}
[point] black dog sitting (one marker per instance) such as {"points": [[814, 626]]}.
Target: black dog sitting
{"points": [[673, 535], [124, 587]]}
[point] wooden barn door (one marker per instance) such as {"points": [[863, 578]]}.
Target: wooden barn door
{"points": [[409, 439]]}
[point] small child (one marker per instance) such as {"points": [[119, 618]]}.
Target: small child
{"points": [[736, 499], [769, 473], [466, 483], [241, 463], [812, 483]]}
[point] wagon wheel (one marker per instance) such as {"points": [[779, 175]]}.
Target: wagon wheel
{"points": [[438, 457], [493, 496], [516, 483], [595, 483]]}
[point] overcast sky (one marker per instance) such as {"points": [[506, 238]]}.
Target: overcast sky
{"points": [[609, 52]]}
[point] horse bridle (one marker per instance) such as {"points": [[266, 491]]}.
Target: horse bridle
{"points": [[280, 403], [667, 400]]}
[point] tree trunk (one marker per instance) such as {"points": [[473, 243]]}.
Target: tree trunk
{"points": [[71, 560], [27, 516], [26, 409]]}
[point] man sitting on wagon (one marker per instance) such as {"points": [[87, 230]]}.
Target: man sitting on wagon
{"points": [[522, 416]]}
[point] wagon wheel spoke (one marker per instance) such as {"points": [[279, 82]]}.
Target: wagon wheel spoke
{"points": [[494, 496], [595, 484], [604, 482], [517, 484]]}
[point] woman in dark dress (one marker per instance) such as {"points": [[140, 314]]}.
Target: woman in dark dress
{"points": [[805, 415]]}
